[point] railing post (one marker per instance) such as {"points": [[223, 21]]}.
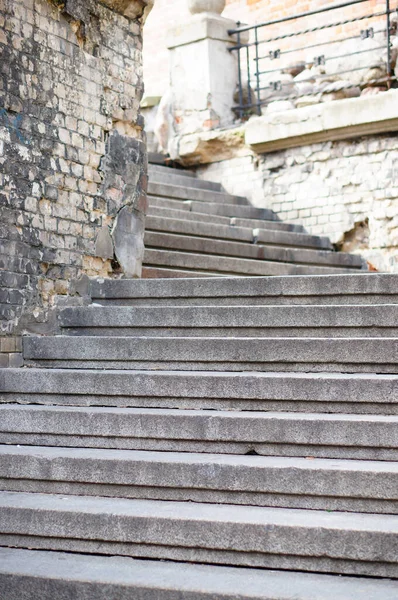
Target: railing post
{"points": [[388, 43], [240, 76], [257, 72]]}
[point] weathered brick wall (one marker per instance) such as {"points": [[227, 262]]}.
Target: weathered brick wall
{"points": [[72, 153], [347, 190]]}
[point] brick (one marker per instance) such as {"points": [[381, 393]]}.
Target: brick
{"points": [[7, 344]]}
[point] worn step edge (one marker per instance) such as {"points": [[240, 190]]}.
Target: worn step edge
{"points": [[183, 192], [232, 265], [369, 437], [298, 392], [339, 485], [199, 244], [231, 232], [332, 285], [156, 209], [346, 543], [230, 317], [235, 211], [213, 350], [164, 273], [33, 574], [162, 177]]}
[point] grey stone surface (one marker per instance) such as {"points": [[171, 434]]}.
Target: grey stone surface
{"points": [[198, 243], [230, 265], [163, 175], [128, 238], [182, 192], [232, 321], [339, 485], [277, 288], [49, 575], [193, 227], [371, 437], [292, 392], [211, 208], [157, 209], [241, 535], [161, 273], [242, 222], [103, 244], [231, 210], [302, 239], [365, 355]]}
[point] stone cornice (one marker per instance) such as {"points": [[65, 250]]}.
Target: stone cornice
{"points": [[329, 121]]}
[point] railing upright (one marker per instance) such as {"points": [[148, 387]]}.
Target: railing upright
{"points": [[343, 34]]}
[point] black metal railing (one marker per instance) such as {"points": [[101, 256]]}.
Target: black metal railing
{"points": [[332, 52]]}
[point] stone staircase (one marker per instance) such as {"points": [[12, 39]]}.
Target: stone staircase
{"points": [[194, 228], [220, 438]]}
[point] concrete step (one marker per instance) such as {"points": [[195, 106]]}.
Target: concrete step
{"points": [[355, 288], [231, 232], [233, 321], [162, 175], [47, 575], [182, 192], [321, 484], [248, 250], [212, 208], [354, 437], [345, 355], [228, 265], [354, 544], [156, 210], [277, 392]]}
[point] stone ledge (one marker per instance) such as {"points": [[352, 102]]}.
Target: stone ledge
{"points": [[323, 122], [208, 146]]}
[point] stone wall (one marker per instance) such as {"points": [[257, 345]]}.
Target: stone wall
{"points": [[72, 153], [347, 190]]}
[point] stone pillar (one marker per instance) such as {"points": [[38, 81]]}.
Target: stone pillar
{"points": [[203, 74]]}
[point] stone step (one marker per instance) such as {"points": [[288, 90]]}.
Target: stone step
{"points": [[156, 158], [243, 222], [156, 210], [345, 355], [212, 208], [160, 273], [229, 265], [248, 250], [162, 168], [355, 288], [312, 435], [233, 321], [240, 234], [321, 484], [354, 544], [179, 178], [48, 575], [182, 192], [277, 392]]}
